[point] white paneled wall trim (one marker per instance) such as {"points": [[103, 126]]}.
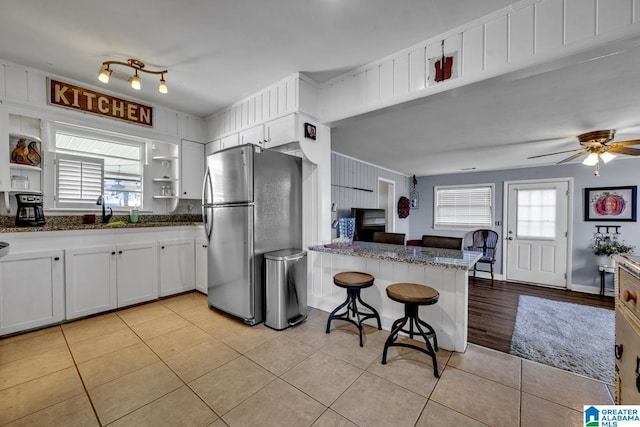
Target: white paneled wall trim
{"points": [[294, 94], [525, 35], [24, 91]]}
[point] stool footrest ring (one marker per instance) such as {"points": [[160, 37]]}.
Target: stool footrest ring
{"points": [[411, 317]]}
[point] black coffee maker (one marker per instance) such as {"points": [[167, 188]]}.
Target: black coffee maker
{"points": [[30, 212]]}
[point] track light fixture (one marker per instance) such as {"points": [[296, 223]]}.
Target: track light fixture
{"points": [[137, 65]]}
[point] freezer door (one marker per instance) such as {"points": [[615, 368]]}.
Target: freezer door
{"points": [[232, 175], [231, 284]]}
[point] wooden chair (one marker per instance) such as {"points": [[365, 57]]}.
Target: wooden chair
{"points": [[441, 242], [485, 241], [391, 238]]}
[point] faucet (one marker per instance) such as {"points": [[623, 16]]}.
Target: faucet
{"points": [[105, 217]]}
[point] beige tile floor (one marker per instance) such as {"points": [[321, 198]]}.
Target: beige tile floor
{"points": [[176, 362]]}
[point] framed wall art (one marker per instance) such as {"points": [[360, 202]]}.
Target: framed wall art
{"points": [[610, 203]]}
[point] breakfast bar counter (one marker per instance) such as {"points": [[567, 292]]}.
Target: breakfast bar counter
{"points": [[445, 270]]}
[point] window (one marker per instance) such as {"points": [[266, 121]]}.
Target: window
{"points": [[89, 164], [536, 214], [466, 207]]}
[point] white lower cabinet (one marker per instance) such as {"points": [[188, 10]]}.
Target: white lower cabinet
{"points": [[106, 277], [177, 266], [31, 290], [201, 265], [137, 273]]}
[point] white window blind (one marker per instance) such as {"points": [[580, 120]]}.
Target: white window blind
{"points": [[463, 207], [80, 180]]}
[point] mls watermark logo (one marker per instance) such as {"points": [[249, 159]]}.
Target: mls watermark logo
{"points": [[611, 415]]}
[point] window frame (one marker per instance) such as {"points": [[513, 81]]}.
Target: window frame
{"points": [[115, 138], [465, 226]]}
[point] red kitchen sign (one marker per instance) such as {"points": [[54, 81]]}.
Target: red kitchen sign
{"points": [[77, 98]]}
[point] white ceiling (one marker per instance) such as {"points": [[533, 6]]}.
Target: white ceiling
{"points": [[220, 51]]}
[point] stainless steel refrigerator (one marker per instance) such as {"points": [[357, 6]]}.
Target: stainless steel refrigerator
{"points": [[251, 204]]}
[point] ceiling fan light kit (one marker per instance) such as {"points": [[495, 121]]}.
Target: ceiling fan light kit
{"points": [[137, 66], [597, 144]]}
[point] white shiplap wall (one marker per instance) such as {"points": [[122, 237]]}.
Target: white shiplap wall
{"points": [[526, 34], [24, 91], [349, 172]]}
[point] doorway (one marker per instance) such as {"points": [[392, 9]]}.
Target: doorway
{"points": [[386, 197], [538, 232]]}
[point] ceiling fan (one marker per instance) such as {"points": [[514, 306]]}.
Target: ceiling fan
{"points": [[599, 146]]}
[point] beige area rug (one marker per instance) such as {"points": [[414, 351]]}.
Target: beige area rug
{"points": [[572, 337]]}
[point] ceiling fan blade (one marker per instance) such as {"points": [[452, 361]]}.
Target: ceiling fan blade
{"points": [[575, 156], [624, 150], [551, 154], [625, 143]]}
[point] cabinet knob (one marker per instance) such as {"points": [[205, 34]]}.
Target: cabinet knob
{"points": [[57, 258], [628, 296], [204, 246], [113, 253], [184, 192], [120, 252], [162, 247]]}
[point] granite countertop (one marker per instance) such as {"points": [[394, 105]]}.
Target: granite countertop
{"points": [[447, 258], [74, 222]]}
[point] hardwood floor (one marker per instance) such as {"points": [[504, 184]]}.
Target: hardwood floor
{"points": [[492, 309]]}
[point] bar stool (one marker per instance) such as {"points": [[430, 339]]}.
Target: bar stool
{"points": [[353, 282], [413, 296]]}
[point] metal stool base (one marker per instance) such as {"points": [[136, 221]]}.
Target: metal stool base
{"points": [[411, 316], [353, 295]]}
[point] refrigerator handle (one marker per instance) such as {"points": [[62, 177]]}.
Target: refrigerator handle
{"points": [[206, 204]]}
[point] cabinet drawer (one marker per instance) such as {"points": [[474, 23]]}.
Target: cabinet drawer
{"points": [[629, 291], [627, 331]]}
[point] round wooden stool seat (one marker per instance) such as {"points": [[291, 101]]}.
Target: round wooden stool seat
{"points": [[351, 279], [413, 293]]}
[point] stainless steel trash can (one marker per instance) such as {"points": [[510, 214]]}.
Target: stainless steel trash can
{"points": [[286, 288]]}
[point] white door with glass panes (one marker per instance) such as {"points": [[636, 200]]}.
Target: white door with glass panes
{"points": [[537, 232]]}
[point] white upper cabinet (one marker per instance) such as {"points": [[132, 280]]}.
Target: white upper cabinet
{"points": [[281, 131], [230, 141], [254, 135], [191, 169]]}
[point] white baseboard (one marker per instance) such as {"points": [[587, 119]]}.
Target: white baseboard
{"points": [[595, 290]]}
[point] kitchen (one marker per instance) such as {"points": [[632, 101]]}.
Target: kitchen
{"points": [[174, 127]]}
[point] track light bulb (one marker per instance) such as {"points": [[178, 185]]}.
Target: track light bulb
{"points": [[591, 160], [163, 86], [607, 157], [135, 82], [104, 75]]}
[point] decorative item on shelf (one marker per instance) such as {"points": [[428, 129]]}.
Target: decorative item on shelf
{"points": [[137, 66], [25, 150], [20, 182]]}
